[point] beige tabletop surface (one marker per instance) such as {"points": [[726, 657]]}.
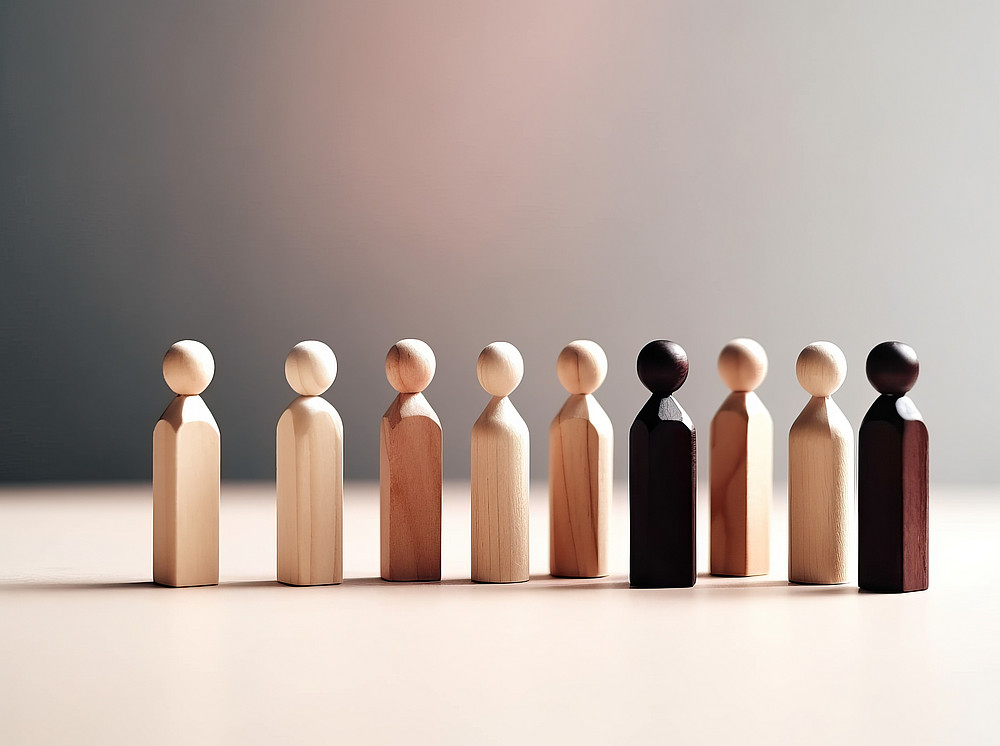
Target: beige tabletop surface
{"points": [[92, 652]]}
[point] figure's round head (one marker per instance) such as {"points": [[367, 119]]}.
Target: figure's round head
{"points": [[410, 366], [310, 368], [821, 368], [892, 368], [500, 368], [582, 366], [743, 364], [188, 367], [662, 366]]}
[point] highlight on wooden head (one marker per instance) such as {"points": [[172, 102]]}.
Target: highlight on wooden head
{"points": [[310, 368], [892, 368], [662, 366], [410, 366], [821, 368], [500, 368], [743, 364], [582, 367], [188, 367]]}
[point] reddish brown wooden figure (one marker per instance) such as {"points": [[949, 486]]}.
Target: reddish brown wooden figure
{"points": [[741, 466], [581, 450], [892, 478], [410, 468]]}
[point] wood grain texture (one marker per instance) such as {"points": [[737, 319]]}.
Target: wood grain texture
{"points": [[820, 481], [893, 497], [662, 496], [410, 489], [581, 453], [500, 495], [310, 487], [186, 460], [741, 477]]}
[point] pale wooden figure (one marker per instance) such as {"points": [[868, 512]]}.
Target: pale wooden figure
{"points": [[186, 474], [410, 468], [820, 472], [500, 473], [741, 466], [310, 473], [581, 448]]}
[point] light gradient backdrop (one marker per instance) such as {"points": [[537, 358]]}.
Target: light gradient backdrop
{"points": [[253, 174]]}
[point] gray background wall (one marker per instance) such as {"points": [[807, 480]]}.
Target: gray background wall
{"points": [[253, 174]]}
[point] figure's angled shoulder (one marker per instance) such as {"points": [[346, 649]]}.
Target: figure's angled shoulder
{"points": [[185, 410]]}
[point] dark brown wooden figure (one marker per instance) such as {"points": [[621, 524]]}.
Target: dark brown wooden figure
{"points": [[892, 478], [662, 479]]}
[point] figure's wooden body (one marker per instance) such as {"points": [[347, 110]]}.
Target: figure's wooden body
{"points": [[310, 485], [410, 489], [581, 448], [500, 494], [820, 479], [662, 496], [741, 468], [186, 459], [893, 497]]}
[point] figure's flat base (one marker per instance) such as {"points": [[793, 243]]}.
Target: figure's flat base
{"points": [[656, 586], [579, 577], [739, 574], [892, 591]]}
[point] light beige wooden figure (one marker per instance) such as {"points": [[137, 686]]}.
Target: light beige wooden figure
{"points": [[410, 468], [500, 473], [310, 476], [186, 474], [741, 466], [820, 472], [581, 454]]}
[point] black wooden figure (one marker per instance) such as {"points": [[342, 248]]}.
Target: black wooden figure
{"points": [[662, 480], [892, 478]]}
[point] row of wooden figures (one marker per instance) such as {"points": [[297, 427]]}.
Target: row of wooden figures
{"points": [[892, 473]]}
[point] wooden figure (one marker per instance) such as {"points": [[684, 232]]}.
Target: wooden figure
{"points": [[310, 476], [581, 449], [186, 474], [662, 475], [742, 464], [500, 473], [410, 468], [820, 472], [892, 478]]}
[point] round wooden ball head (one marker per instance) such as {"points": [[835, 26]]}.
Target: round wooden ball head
{"points": [[310, 368], [821, 368], [188, 367], [892, 368], [410, 366], [743, 364], [582, 367], [500, 368], [662, 366]]}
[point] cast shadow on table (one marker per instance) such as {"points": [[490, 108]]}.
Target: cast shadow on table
{"points": [[74, 585], [536, 583], [730, 582]]}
